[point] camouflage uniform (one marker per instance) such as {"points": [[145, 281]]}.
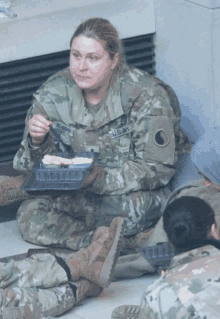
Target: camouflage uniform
{"points": [[137, 133], [38, 286], [51, 285], [31, 283], [190, 290], [197, 189], [135, 265]]}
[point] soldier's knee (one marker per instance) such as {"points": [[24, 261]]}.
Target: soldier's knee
{"points": [[132, 228], [31, 211]]}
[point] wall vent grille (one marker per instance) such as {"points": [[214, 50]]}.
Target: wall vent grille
{"points": [[20, 79]]}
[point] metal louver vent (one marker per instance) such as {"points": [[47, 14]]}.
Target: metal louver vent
{"points": [[20, 79]]}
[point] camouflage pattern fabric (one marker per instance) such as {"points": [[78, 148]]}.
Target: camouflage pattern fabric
{"points": [[10, 190], [69, 221], [137, 133], [197, 189], [190, 290], [35, 303], [30, 288], [40, 271], [38, 286], [135, 265]]}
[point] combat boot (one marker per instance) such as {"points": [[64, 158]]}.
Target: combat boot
{"points": [[126, 312], [98, 233], [85, 288], [97, 262], [137, 241], [10, 190]]}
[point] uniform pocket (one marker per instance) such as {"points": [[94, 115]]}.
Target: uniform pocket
{"points": [[121, 149]]}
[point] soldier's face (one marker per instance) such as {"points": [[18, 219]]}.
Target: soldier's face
{"points": [[90, 64], [208, 183]]}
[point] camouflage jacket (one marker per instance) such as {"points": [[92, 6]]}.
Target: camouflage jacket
{"points": [[198, 189], [136, 130], [190, 290]]}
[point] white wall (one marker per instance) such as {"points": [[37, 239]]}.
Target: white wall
{"points": [[188, 58], [46, 26]]}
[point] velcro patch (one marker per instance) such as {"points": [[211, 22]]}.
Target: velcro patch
{"points": [[62, 128], [120, 131]]}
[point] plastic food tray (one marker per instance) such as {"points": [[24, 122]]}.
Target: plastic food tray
{"points": [[56, 178], [159, 255]]}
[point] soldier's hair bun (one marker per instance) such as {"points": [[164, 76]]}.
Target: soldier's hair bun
{"points": [[187, 222]]}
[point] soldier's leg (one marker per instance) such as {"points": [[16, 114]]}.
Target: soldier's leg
{"points": [[141, 210], [10, 190], [47, 221], [36, 271], [35, 303], [95, 263], [135, 265]]}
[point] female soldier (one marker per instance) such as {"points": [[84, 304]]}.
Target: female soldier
{"points": [[190, 288], [205, 156], [131, 118]]}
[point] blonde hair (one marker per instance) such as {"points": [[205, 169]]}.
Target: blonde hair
{"points": [[103, 31]]}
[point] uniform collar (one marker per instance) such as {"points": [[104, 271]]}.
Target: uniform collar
{"points": [[191, 255], [109, 111]]}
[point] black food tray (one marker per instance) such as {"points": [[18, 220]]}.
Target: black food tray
{"points": [[58, 178], [159, 256]]}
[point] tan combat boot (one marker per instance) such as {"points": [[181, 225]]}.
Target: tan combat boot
{"points": [[98, 233], [86, 288], [10, 191], [97, 262], [137, 241]]}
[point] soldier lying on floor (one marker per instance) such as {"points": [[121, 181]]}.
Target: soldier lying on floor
{"points": [[190, 288], [49, 285], [206, 157]]}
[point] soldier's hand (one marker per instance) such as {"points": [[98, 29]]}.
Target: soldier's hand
{"points": [[38, 128]]}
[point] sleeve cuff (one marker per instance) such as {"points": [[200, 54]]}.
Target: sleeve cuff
{"points": [[38, 150]]}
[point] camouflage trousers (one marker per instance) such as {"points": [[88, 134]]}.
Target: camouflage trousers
{"points": [[68, 221], [35, 303], [38, 287]]}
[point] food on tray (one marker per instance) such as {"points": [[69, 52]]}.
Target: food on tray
{"points": [[49, 159]]}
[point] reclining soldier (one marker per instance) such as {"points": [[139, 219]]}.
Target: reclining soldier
{"points": [[49, 285], [189, 288], [205, 156]]}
